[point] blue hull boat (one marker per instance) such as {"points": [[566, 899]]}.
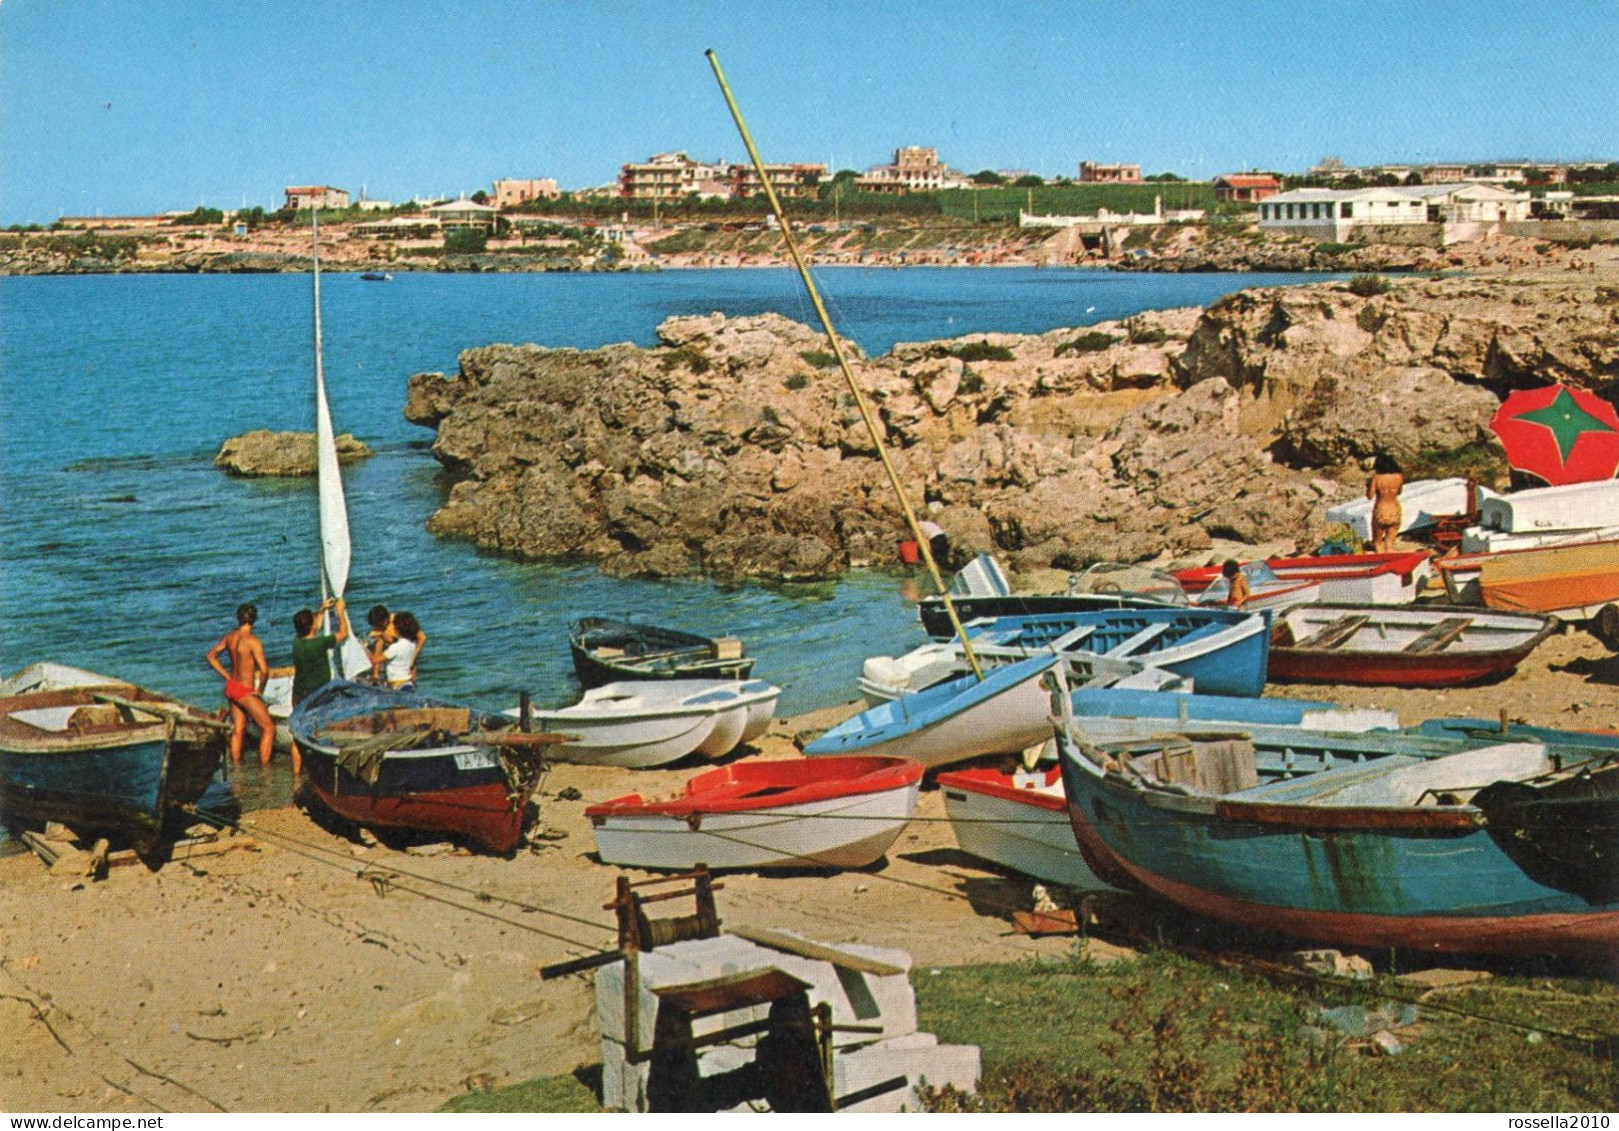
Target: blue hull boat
{"points": [[106, 759], [1104, 714], [959, 718], [1223, 651], [1400, 849]]}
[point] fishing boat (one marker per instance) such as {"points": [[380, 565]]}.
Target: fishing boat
{"points": [[1391, 852], [1351, 579], [952, 721], [1571, 581], [883, 678], [1402, 647], [764, 814], [607, 651], [980, 591], [641, 723], [101, 755], [1111, 714], [1222, 651], [1017, 819], [397, 759], [1265, 589]]}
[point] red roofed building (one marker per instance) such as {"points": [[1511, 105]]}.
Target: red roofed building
{"points": [[317, 196], [1246, 188]]}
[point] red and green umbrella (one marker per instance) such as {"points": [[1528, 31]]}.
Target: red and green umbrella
{"points": [[1559, 434]]}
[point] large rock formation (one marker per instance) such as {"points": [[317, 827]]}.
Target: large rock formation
{"points": [[735, 447], [265, 453]]}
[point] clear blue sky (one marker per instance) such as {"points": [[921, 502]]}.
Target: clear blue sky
{"points": [[129, 106]]}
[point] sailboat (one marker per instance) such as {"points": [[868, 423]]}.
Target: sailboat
{"points": [[393, 758]]}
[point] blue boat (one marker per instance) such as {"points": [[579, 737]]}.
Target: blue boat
{"points": [[1104, 714], [105, 758], [959, 718], [1397, 850]]}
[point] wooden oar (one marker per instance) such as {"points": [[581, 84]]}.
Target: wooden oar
{"points": [[163, 710]]}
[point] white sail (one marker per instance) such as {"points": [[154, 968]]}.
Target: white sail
{"points": [[335, 549]]}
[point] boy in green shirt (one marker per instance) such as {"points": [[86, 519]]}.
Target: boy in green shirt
{"points": [[311, 657]]}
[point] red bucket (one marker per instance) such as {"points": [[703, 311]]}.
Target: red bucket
{"points": [[909, 552]]}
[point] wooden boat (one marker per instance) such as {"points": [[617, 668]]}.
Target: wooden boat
{"points": [[1112, 714], [1477, 540], [103, 756], [1571, 581], [960, 718], [1572, 506], [1394, 852], [883, 678], [1266, 590], [396, 759], [1428, 647], [765, 814], [1222, 651], [642, 723], [981, 592], [607, 651], [376, 276], [1017, 820], [1351, 579]]}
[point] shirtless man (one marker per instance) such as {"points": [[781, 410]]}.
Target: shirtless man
{"points": [[244, 684]]}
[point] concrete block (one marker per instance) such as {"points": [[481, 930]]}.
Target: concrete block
{"points": [[916, 1057]]}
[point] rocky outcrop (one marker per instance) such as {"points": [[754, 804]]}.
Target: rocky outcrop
{"points": [[266, 453], [735, 447]]}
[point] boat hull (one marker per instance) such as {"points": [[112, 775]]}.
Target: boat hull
{"points": [[1022, 827], [1434, 882], [1488, 647], [608, 651], [459, 790], [765, 815]]}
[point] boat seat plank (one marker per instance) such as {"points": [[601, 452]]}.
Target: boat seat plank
{"points": [[1440, 635], [804, 948], [1074, 636], [1334, 635], [1139, 640]]}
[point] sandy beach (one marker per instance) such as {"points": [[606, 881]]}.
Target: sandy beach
{"points": [[312, 972]]}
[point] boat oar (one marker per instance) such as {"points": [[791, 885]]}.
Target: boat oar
{"points": [[162, 710]]}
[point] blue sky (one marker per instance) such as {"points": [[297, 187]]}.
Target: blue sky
{"points": [[128, 106]]}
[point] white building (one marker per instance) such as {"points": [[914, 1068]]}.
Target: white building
{"points": [[1335, 213]]}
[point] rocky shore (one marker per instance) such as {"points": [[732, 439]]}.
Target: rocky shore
{"points": [[734, 447]]}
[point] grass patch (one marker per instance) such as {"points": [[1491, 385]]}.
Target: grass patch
{"points": [[981, 351], [1167, 1033], [1092, 341], [820, 359], [1369, 286], [796, 382], [691, 357], [1477, 461], [544, 1093]]}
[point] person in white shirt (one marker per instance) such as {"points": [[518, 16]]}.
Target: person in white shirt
{"points": [[395, 652]]}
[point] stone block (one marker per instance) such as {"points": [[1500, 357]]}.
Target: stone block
{"points": [[916, 1057]]}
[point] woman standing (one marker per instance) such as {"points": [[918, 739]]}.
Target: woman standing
{"points": [[1384, 488]]}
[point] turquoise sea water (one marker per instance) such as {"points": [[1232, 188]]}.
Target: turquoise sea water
{"points": [[123, 550]]}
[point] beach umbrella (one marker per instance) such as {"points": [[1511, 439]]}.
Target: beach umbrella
{"points": [[1559, 434]]}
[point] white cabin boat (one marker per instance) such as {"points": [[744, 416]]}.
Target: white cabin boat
{"points": [[1573, 506]]}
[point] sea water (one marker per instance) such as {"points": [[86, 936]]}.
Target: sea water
{"points": [[124, 550]]}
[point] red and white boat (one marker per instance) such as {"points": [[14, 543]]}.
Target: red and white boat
{"points": [[837, 812], [395, 759], [1417, 647], [1018, 820], [1347, 579]]}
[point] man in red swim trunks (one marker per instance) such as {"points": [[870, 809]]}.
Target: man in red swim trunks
{"points": [[244, 684]]}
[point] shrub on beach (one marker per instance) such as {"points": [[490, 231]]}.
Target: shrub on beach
{"points": [[1369, 286], [1092, 341]]}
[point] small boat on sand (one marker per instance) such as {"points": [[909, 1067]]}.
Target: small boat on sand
{"points": [[960, 718], [1019, 820], [607, 651], [888, 677], [1402, 647], [100, 755], [1393, 852], [396, 759], [1110, 714], [764, 814], [1571, 581], [982, 591], [1351, 579], [643, 723]]}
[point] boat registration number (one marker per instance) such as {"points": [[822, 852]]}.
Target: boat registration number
{"points": [[476, 760]]}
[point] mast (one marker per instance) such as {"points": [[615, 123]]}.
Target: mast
{"points": [[335, 549], [843, 364]]}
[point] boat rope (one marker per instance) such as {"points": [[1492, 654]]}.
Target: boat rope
{"points": [[322, 854], [923, 543]]}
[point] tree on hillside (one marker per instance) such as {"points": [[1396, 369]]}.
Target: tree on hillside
{"points": [[480, 197], [1030, 180], [988, 177]]}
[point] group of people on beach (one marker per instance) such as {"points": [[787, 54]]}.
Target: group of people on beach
{"points": [[394, 647]]}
